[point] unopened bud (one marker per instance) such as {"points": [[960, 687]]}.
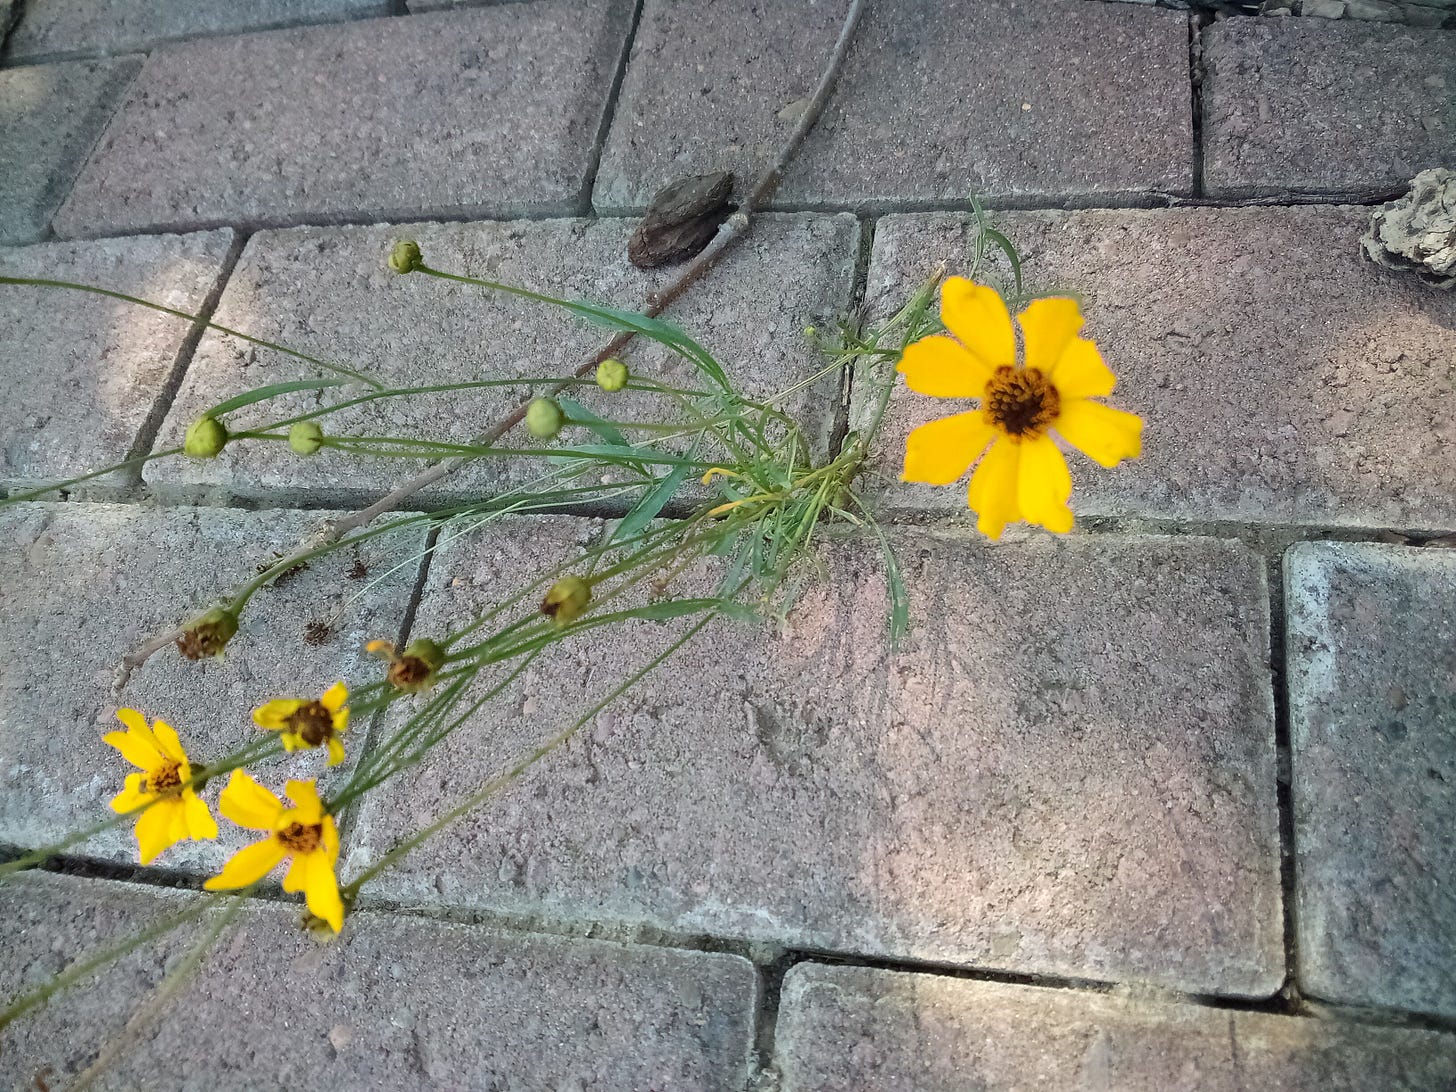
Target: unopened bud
{"points": [[208, 634], [205, 439], [544, 418], [612, 375], [305, 437], [567, 598], [405, 257]]}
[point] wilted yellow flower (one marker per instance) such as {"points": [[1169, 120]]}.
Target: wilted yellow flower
{"points": [[174, 812], [1023, 474], [414, 669], [309, 723], [305, 834]]}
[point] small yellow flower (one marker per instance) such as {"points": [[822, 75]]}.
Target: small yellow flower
{"points": [[1023, 474], [309, 723], [174, 813], [304, 833]]}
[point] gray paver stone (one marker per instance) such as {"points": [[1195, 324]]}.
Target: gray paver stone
{"points": [[844, 1028], [83, 373], [328, 292], [1372, 699], [1316, 106], [938, 100], [85, 584], [59, 27], [1034, 782], [394, 1002], [50, 117], [1280, 378], [486, 112]]}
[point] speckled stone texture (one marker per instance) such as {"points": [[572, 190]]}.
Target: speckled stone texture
{"points": [[843, 1028], [329, 292], [938, 100], [53, 28], [487, 112], [395, 1002], [1313, 106], [82, 374], [85, 584], [1372, 699], [1068, 767], [50, 117], [1281, 379]]}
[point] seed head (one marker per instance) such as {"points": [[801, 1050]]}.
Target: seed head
{"points": [[567, 598], [305, 437], [612, 375], [208, 634], [205, 439], [544, 418]]}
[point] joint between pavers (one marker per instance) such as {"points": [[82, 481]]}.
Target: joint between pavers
{"points": [[1197, 20], [1276, 587], [859, 286], [764, 1061], [609, 108]]}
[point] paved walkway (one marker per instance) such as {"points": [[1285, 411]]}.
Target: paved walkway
{"points": [[1166, 804]]}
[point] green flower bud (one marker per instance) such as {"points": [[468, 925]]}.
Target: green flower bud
{"points": [[305, 437], [544, 418], [205, 439], [414, 671], [406, 256], [208, 634], [612, 374], [567, 598]]}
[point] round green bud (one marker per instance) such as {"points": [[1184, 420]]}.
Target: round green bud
{"points": [[305, 437], [544, 418], [405, 257], [205, 439], [567, 598], [612, 374]]}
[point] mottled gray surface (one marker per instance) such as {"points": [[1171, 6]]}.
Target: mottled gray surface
{"points": [[1068, 767], [85, 584], [59, 27], [487, 112], [1312, 106], [1372, 699], [844, 1028], [329, 292], [82, 373], [1280, 377], [938, 100], [50, 117], [396, 1002]]}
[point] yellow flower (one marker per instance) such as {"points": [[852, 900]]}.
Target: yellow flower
{"points": [[1023, 474], [173, 813], [306, 833], [309, 723]]}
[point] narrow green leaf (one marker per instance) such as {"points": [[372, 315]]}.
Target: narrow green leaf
{"points": [[652, 502], [272, 390], [1010, 251]]}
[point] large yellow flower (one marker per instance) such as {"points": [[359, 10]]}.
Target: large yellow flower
{"points": [[308, 723], [1023, 474], [305, 833], [173, 812]]}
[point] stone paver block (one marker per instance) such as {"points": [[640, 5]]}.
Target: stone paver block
{"points": [[83, 373], [843, 1028], [1313, 106], [1280, 378], [1068, 768], [1372, 699], [85, 584], [486, 112], [394, 1002], [50, 118], [60, 27], [328, 292], [938, 100]]}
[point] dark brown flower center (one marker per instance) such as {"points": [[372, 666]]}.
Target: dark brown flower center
{"points": [[164, 779], [1021, 402], [312, 722], [408, 672], [301, 838]]}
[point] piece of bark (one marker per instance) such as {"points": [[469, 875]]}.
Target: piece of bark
{"points": [[682, 220]]}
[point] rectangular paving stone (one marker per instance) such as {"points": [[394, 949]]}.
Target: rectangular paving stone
{"points": [[50, 118], [938, 100], [1279, 377], [852, 1027], [327, 291], [1372, 701], [83, 374], [85, 584], [53, 28], [1323, 107], [1068, 767], [484, 112], [394, 1002]]}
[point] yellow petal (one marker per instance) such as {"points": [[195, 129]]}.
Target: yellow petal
{"points": [[248, 865], [138, 749], [336, 750], [296, 878], [1044, 484], [132, 796], [335, 697], [291, 741], [248, 804], [156, 828], [133, 720], [992, 494], [200, 823], [940, 367], [939, 452], [274, 714], [168, 742], [331, 840], [322, 892], [978, 318], [341, 719], [1047, 328], [1081, 373], [306, 798], [1105, 435]]}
